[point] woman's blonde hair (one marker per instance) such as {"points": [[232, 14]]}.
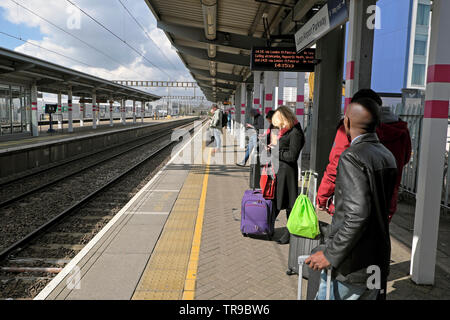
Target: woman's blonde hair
{"points": [[284, 118]]}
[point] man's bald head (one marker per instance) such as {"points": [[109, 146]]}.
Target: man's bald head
{"points": [[363, 116]]}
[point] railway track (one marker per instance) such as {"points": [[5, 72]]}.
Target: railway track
{"points": [[37, 255]]}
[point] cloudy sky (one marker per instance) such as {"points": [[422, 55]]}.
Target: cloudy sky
{"points": [[102, 54]]}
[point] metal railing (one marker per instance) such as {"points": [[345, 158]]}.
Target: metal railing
{"points": [[413, 115]]}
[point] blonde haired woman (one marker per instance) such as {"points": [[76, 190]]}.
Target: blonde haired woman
{"points": [[290, 140]]}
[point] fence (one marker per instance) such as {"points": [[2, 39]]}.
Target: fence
{"points": [[413, 115]]}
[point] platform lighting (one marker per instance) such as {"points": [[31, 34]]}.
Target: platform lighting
{"points": [[209, 8], [211, 51], [212, 68]]}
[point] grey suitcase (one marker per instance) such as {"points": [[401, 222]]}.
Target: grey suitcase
{"points": [[255, 169], [313, 282], [299, 246]]}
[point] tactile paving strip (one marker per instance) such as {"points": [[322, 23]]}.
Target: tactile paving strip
{"points": [[170, 266]]}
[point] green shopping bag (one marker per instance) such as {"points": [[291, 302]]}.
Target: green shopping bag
{"points": [[303, 219]]}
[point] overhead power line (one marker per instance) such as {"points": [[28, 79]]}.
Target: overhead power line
{"points": [[119, 38], [146, 33], [72, 35], [52, 51]]}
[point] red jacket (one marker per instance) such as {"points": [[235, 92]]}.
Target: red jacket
{"points": [[394, 136]]}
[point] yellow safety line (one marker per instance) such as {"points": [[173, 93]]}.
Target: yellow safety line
{"points": [[191, 275]]}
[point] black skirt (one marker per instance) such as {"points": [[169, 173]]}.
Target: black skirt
{"points": [[286, 190]]}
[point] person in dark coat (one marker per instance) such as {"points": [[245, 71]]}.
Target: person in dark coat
{"points": [[285, 153], [357, 243]]}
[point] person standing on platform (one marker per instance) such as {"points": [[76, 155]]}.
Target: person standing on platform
{"points": [[254, 130], [216, 127], [358, 237], [229, 120], [393, 134], [289, 142]]}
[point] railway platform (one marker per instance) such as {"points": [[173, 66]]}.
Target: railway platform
{"points": [[179, 238], [14, 142]]}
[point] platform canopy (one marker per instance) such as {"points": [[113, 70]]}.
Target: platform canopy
{"points": [[18, 68], [214, 37]]}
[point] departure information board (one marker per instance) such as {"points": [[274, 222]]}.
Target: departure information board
{"points": [[282, 59]]}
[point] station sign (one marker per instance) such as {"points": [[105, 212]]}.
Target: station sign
{"points": [[333, 14], [50, 108], [282, 59], [89, 100]]}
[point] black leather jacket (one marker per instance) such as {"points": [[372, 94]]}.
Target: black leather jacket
{"points": [[358, 236]]}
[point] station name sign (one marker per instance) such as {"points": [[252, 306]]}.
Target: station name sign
{"points": [[333, 14], [282, 59]]}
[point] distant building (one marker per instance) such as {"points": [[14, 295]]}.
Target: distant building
{"points": [[401, 45]]}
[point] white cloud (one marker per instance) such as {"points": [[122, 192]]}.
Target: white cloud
{"points": [[112, 15]]}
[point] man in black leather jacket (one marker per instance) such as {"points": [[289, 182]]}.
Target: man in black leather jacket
{"points": [[357, 244]]}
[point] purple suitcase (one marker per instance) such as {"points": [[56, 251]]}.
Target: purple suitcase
{"points": [[256, 214]]}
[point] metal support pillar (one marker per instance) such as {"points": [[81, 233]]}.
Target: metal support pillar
{"points": [[81, 113], [300, 110], [34, 111], [69, 109], [256, 89], [280, 88], [243, 102], [111, 119], [300, 104], [94, 110], [134, 111], [60, 117], [237, 102], [327, 97], [122, 111], [432, 148], [249, 104], [358, 73]]}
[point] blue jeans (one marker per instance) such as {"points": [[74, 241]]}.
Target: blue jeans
{"points": [[344, 291], [251, 145], [217, 137]]}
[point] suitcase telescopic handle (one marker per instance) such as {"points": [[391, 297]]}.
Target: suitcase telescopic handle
{"points": [[301, 262]]}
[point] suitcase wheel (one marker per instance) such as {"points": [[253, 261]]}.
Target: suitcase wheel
{"points": [[290, 272], [245, 234]]}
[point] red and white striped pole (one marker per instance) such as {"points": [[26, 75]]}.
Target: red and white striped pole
{"points": [[94, 110], [300, 104], [69, 110], [111, 120], [134, 111], [82, 107], [350, 87], [243, 102], [280, 88], [359, 49], [60, 118], [256, 89], [432, 148], [268, 86], [122, 111], [34, 111], [300, 111]]}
